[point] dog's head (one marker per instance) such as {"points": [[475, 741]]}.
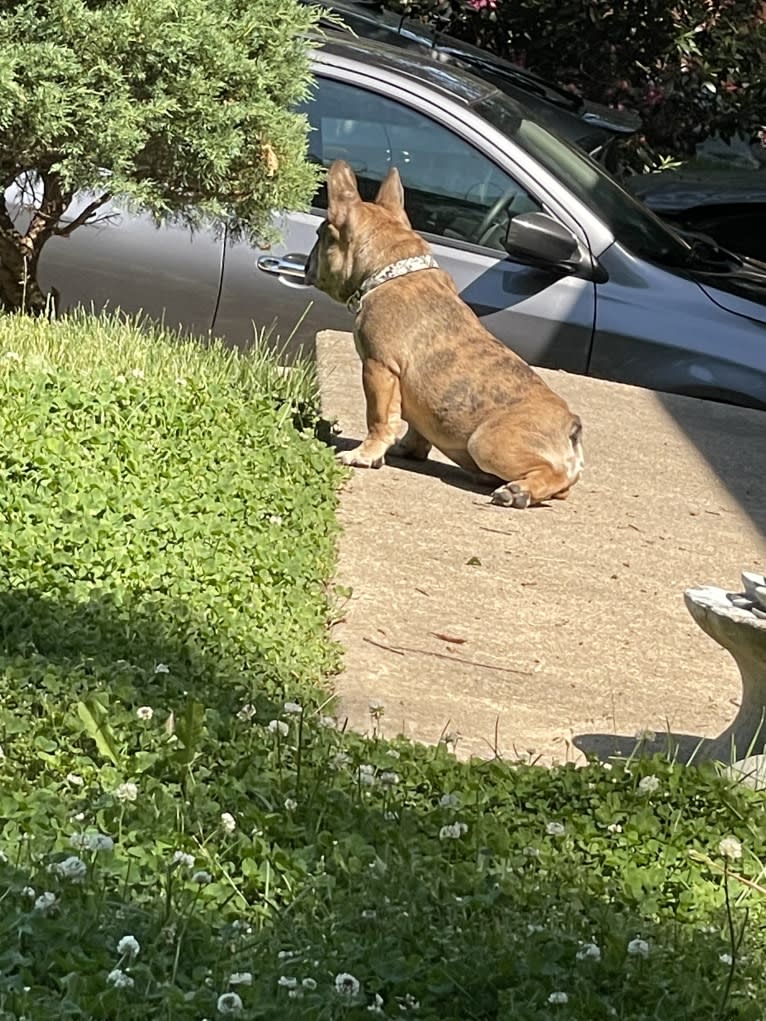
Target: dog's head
{"points": [[359, 238]]}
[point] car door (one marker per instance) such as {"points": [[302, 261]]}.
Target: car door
{"points": [[457, 197], [123, 260]]}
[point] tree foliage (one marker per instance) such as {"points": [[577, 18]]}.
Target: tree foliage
{"points": [[690, 67], [181, 108]]}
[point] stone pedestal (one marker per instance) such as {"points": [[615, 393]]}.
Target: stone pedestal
{"points": [[737, 621]]}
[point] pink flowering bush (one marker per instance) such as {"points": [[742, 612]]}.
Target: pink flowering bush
{"points": [[691, 69]]}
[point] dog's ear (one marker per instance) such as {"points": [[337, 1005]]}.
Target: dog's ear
{"points": [[391, 196], [342, 192]]}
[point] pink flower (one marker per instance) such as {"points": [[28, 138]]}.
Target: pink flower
{"points": [[479, 5]]}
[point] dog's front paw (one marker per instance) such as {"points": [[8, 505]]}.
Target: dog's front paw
{"points": [[356, 458], [512, 494]]}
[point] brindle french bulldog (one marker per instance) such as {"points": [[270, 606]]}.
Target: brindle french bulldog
{"points": [[428, 360]]}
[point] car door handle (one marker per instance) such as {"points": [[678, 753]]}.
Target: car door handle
{"points": [[292, 266]]}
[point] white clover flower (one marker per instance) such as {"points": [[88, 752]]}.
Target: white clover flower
{"points": [[279, 727], [558, 998], [144, 712], [290, 804], [589, 952], [365, 774], [129, 946], [127, 792], [247, 712], [137, 373], [340, 759], [292, 708], [45, 902], [730, 848], [346, 985], [614, 827], [449, 801], [228, 822], [92, 841], [388, 778], [229, 1003], [645, 735], [75, 779], [182, 858], [555, 829], [241, 978], [119, 979], [28, 891], [309, 983], [120, 379], [327, 722], [648, 784], [726, 959], [453, 832], [376, 1007], [287, 981], [638, 947], [202, 877], [72, 868], [275, 519]]}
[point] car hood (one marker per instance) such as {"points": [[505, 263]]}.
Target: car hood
{"points": [[675, 191], [741, 290]]}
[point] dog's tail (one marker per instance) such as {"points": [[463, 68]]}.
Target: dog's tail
{"points": [[578, 454], [575, 432]]}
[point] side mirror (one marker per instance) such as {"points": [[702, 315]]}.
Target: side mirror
{"points": [[538, 239]]}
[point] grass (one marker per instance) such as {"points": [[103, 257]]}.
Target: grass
{"points": [[186, 831]]}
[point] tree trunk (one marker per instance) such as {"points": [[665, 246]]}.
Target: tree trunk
{"points": [[19, 289]]}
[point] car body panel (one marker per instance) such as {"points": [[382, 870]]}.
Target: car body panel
{"points": [[674, 342], [685, 189]]}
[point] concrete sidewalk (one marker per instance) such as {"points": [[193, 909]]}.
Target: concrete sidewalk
{"points": [[560, 628]]}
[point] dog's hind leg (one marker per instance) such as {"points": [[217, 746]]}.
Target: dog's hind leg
{"points": [[412, 445], [536, 463], [543, 482], [384, 409]]}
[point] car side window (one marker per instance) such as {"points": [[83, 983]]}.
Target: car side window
{"points": [[451, 189]]}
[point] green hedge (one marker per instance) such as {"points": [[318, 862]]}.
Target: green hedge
{"points": [[185, 834]]}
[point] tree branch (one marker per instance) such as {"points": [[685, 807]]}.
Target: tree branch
{"points": [[85, 215]]}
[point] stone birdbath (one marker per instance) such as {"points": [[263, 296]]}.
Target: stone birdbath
{"points": [[737, 621]]}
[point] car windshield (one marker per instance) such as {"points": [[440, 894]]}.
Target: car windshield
{"points": [[632, 224]]}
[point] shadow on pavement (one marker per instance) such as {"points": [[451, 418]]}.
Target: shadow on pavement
{"points": [[733, 442]]}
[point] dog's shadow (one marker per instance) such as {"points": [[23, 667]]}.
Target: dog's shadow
{"points": [[449, 474]]}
